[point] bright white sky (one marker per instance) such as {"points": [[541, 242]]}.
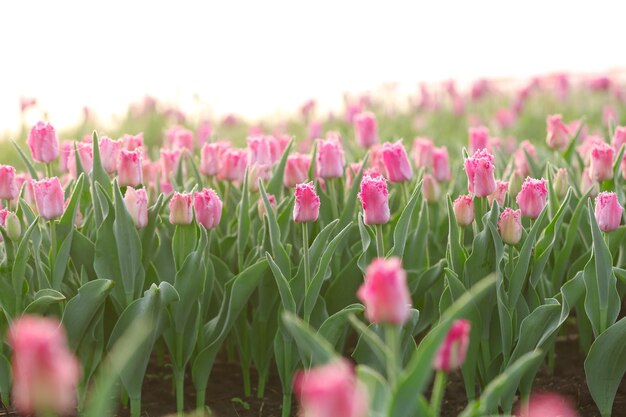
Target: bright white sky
{"points": [[259, 57]]}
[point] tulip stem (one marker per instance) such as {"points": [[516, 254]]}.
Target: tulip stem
{"points": [[510, 262], [307, 265], [53, 244], [332, 190], [480, 211], [436, 397], [380, 246], [49, 170], [392, 334], [405, 192]]}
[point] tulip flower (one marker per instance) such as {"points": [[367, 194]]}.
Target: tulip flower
{"points": [[510, 226], [587, 146], [601, 166], [65, 150], [132, 142], [463, 208], [478, 139], [385, 292], [441, 164], [374, 198], [12, 225], [307, 204], [296, 169], [502, 187], [365, 129], [181, 209], [170, 158], [619, 138], [520, 158], [130, 168], [210, 156], [45, 373], [261, 205], [204, 132], [232, 166], [561, 182], [330, 390], [532, 198], [85, 155], [49, 197], [43, 142], [423, 152], [259, 150], [208, 207], [588, 184], [109, 153], [608, 211], [8, 187], [547, 405], [330, 159], [396, 162], [480, 173], [3, 219], [137, 205], [451, 353], [181, 138], [558, 132], [314, 130], [430, 189]]}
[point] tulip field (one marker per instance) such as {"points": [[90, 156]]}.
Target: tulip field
{"points": [[386, 261]]}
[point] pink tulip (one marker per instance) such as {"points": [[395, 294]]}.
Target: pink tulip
{"points": [[315, 130], [558, 132], [478, 139], [137, 205], [441, 164], [376, 158], [232, 166], [480, 173], [609, 115], [396, 162], [132, 142], [423, 152], [109, 153], [505, 118], [588, 184], [130, 168], [532, 198], [169, 162], [210, 157], [296, 169], [547, 405], [385, 292], [608, 211], [261, 205], [451, 353], [330, 390], [502, 187], [330, 160], [520, 158], [278, 144], [8, 188], [374, 199], [619, 138], [3, 219], [365, 129], [463, 208], [180, 138], [181, 209], [85, 155], [204, 132], [430, 189], [258, 172], [259, 150], [601, 166], [307, 205], [208, 208], [510, 226], [64, 154], [49, 197], [45, 373], [150, 171], [587, 146], [43, 142]]}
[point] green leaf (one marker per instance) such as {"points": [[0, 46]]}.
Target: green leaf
{"points": [[332, 328], [98, 174], [309, 342], [289, 303], [456, 253], [378, 391], [31, 170], [350, 206], [401, 231], [243, 223], [275, 185], [42, 300], [278, 250]]}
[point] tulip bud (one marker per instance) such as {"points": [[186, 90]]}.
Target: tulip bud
{"points": [[441, 164], [208, 208], [423, 152], [510, 226], [233, 163], [588, 184], [49, 197], [296, 169], [170, 158], [8, 188], [478, 139], [330, 390], [132, 142], [532, 198], [181, 138], [608, 211], [109, 153], [430, 189], [374, 198], [307, 205], [463, 208], [330, 159], [601, 166], [619, 138], [560, 182], [480, 173], [385, 292], [43, 142], [13, 227], [137, 205], [520, 158], [396, 162], [365, 129], [210, 157], [451, 353], [499, 195], [558, 132], [45, 373], [544, 405], [259, 150], [130, 168], [261, 205], [181, 209]]}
